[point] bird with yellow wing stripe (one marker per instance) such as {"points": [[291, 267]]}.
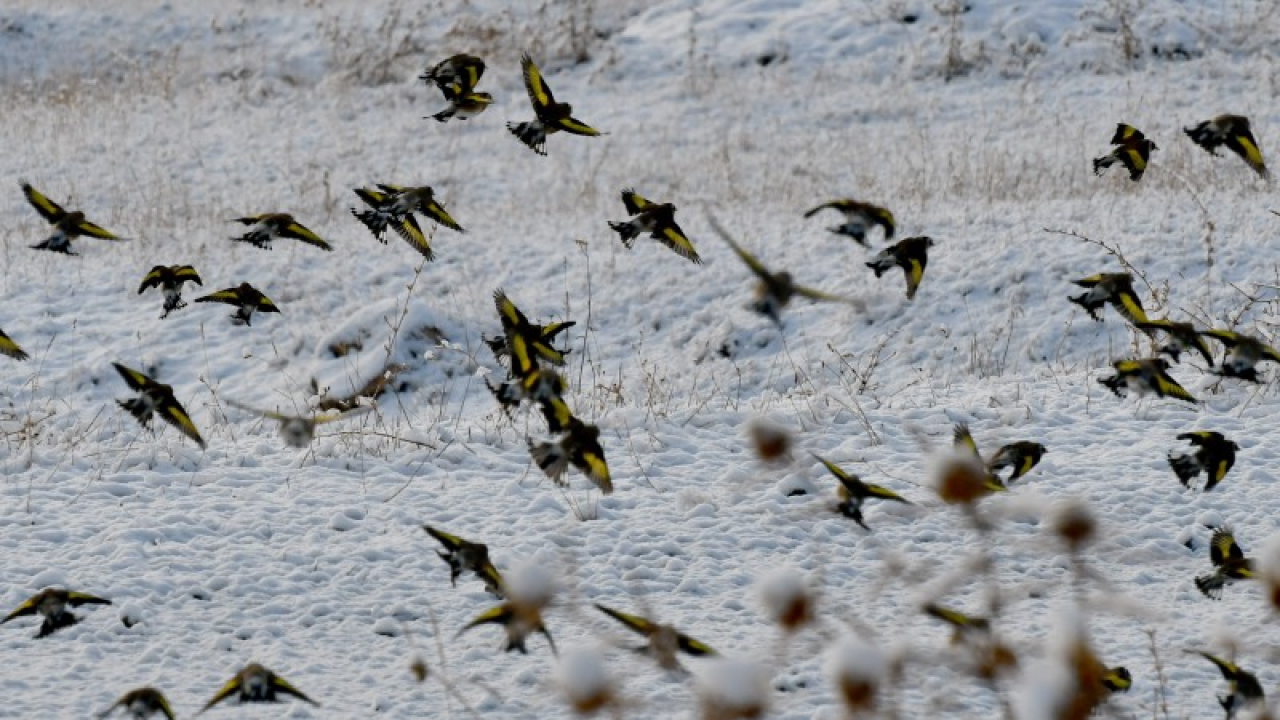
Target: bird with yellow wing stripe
{"points": [[1148, 376], [265, 228], [975, 634], [1245, 353], [523, 342], [456, 77], [580, 447], [393, 206], [155, 398], [1179, 337], [1022, 456], [256, 684], [9, 348], [551, 117], [664, 640], [859, 218], [1229, 564], [1214, 456], [910, 254], [466, 556], [853, 492], [657, 219], [52, 604], [1114, 288], [246, 298], [519, 620], [1133, 151], [141, 703], [965, 477], [169, 278], [67, 226], [1234, 132], [1245, 690], [299, 430], [544, 387]]}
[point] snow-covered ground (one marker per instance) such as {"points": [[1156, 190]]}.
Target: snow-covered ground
{"points": [[163, 122]]}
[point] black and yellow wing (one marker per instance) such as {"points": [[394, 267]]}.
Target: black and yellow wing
{"points": [[155, 278], [433, 210], [84, 227], [28, 607], [284, 686], [175, 415], [596, 469], [499, 614], [491, 577], [913, 268], [1117, 679], [1223, 548], [134, 379], [409, 230], [641, 625], [1168, 387], [1226, 337], [391, 189], [836, 470], [163, 703], [48, 209], [265, 304], [231, 688], [556, 411], [841, 205], [1228, 669], [1128, 305], [452, 542], [673, 237], [963, 440], [1243, 144], [884, 218], [10, 348], [548, 353], [230, 296], [550, 331], [186, 273], [511, 316], [296, 231], [539, 94], [575, 126], [1125, 134], [692, 646], [372, 198], [471, 70], [954, 617], [76, 599], [884, 493], [633, 202], [815, 294]]}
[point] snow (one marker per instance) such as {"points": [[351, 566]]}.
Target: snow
{"points": [[163, 121]]}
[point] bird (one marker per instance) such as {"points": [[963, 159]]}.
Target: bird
{"points": [[657, 219], [141, 703], [265, 228], [466, 556], [67, 226], [247, 300], [1244, 686], [393, 206], [155, 397], [299, 431], [1180, 337], [1114, 288], [544, 387], [551, 116], [10, 348], [774, 291], [1234, 132], [255, 683], [1145, 376], [859, 218], [1215, 456], [1117, 679], [524, 342], [169, 278], [911, 254], [519, 620], [664, 640], [1022, 456], [972, 483], [1245, 353], [853, 492], [965, 625], [579, 446], [1229, 564], [1133, 151], [52, 603], [456, 77]]}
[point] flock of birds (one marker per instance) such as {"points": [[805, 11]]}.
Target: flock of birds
{"points": [[528, 351]]}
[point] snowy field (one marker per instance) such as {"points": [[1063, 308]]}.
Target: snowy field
{"points": [[163, 122]]}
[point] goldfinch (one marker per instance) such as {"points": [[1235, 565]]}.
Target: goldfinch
{"points": [[265, 228], [155, 398], [456, 77], [1229, 564], [579, 446], [664, 640], [1232, 131], [1245, 353], [551, 117], [853, 492], [1180, 337], [247, 300], [656, 219], [299, 431], [1022, 456], [393, 206], [67, 226], [974, 633], [544, 387], [1117, 679], [10, 348], [1244, 686], [466, 556], [1215, 456], [141, 703], [518, 620], [964, 625], [524, 342], [1114, 288], [983, 482], [1133, 151], [1149, 376], [859, 218], [169, 278], [774, 291], [52, 604], [256, 684], [910, 254]]}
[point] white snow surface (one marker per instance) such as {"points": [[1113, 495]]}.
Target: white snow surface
{"points": [[163, 121]]}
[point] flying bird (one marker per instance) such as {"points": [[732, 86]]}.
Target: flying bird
{"points": [[156, 398], [1022, 456], [393, 206], [579, 446], [10, 348], [67, 226], [1148, 376], [656, 219], [256, 684], [466, 556], [1180, 337], [1234, 132], [551, 117], [299, 431], [1229, 564], [859, 218], [246, 298], [1214, 456], [1133, 151], [265, 228], [1114, 288], [544, 387], [52, 604], [169, 278], [1245, 353], [518, 620], [141, 703], [523, 342], [910, 254], [969, 478], [456, 77], [664, 640], [1244, 686], [1117, 679], [853, 492]]}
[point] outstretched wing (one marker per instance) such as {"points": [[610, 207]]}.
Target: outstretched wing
{"points": [[1223, 547], [950, 616], [452, 542], [231, 296], [1168, 387], [48, 209], [84, 227], [963, 440], [597, 470], [231, 688], [1243, 144], [28, 607], [692, 646], [511, 315], [153, 278], [372, 198], [411, 233], [673, 237], [644, 626], [10, 348], [1125, 133], [539, 94], [840, 205], [751, 261], [76, 599], [1228, 669], [885, 493], [282, 685], [633, 202], [913, 268], [1226, 337], [834, 469], [134, 379], [575, 126], [296, 231], [186, 273], [499, 614], [1130, 307], [437, 213], [884, 218], [175, 415]]}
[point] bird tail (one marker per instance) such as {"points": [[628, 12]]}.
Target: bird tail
{"points": [[1115, 384], [881, 266], [1203, 136], [553, 460], [531, 134], [1185, 467], [627, 230], [57, 243], [141, 411], [1211, 585], [256, 239], [444, 115], [376, 221], [1101, 164], [1089, 306]]}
